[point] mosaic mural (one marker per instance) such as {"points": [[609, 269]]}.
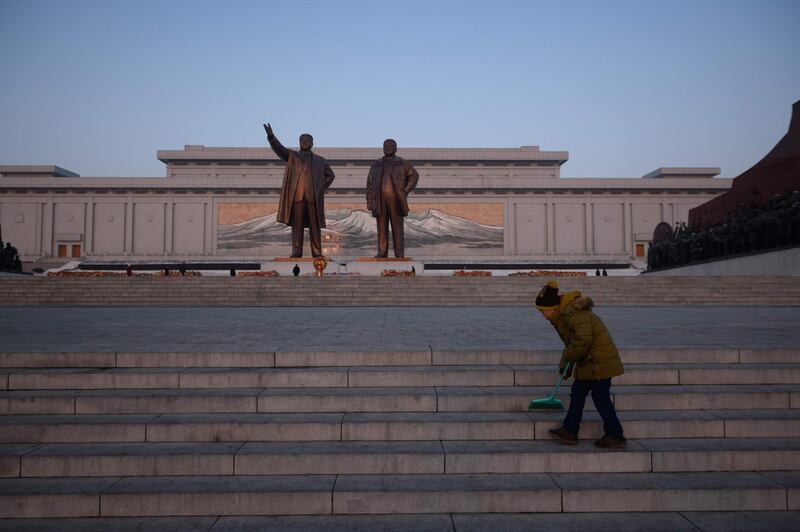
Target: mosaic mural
{"points": [[430, 229]]}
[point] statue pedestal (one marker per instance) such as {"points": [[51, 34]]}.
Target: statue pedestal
{"points": [[367, 266], [375, 266], [284, 265]]}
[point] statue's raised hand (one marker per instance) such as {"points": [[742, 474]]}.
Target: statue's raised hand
{"points": [[268, 129]]}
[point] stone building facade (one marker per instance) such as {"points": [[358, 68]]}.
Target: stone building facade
{"points": [[506, 204]]}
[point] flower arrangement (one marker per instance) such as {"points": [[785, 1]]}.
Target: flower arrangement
{"points": [[71, 273], [546, 273], [477, 273], [87, 274], [270, 273], [176, 273], [398, 273], [320, 263]]}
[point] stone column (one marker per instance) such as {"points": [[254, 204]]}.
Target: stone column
{"points": [[88, 227], [551, 226], [128, 247], [38, 226], [48, 217], [169, 227], [627, 217], [589, 220], [214, 206], [666, 213], [207, 226], [510, 228]]}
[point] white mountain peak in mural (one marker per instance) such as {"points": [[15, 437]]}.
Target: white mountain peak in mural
{"points": [[356, 222], [439, 223], [262, 223]]}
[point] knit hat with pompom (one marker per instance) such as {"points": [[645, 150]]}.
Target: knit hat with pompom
{"points": [[548, 297]]}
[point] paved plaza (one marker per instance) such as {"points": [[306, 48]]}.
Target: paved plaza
{"points": [[237, 329]]}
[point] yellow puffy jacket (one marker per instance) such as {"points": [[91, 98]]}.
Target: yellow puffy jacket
{"points": [[587, 341]]}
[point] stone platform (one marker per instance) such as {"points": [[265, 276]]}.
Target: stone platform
{"points": [[360, 266]]}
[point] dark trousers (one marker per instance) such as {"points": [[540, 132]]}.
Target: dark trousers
{"points": [[390, 213], [302, 211], [601, 395]]}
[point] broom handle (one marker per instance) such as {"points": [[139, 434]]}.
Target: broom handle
{"points": [[561, 379]]}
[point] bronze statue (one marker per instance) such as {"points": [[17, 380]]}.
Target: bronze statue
{"points": [[389, 182], [302, 202]]}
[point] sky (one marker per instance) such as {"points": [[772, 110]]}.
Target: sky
{"points": [[98, 86]]}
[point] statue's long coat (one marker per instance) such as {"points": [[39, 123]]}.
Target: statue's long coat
{"points": [[404, 179], [321, 175]]}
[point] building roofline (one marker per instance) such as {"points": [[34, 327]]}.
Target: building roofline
{"points": [[43, 170], [673, 171], [524, 153], [489, 186]]}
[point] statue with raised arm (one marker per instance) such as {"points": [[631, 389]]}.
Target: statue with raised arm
{"points": [[302, 202], [391, 179]]}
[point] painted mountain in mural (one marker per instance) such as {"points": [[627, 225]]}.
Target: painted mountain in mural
{"points": [[264, 230], [437, 227], [355, 230]]}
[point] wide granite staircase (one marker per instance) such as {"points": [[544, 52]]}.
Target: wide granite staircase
{"points": [[396, 291], [414, 440]]}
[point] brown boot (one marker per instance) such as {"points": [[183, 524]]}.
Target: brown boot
{"points": [[610, 442], [563, 436]]}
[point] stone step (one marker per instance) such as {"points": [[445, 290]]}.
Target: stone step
{"points": [[253, 458], [664, 374], [551, 357], [690, 397], [327, 523], [476, 426], [723, 454], [219, 285], [704, 283], [624, 492], [304, 458], [388, 426], [293, 359], [777, 521], [84, 460], [384, 399], [381, 376], [142, 378], [524, 522], [744, 373], [430, 300], [675, 397], [377, 301], [166, 496], [456, 457], [117, 524], [656, 455], [391, 494], [684, 424], [431, 290], [352, 358], [171, 428]]}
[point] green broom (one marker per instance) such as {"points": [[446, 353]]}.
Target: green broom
{"points": [[550, 402]]}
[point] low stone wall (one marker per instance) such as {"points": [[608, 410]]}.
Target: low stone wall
{"points": [[782, 262]]}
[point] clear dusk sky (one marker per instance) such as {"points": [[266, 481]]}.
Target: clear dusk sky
{"points": [[97, 86]]}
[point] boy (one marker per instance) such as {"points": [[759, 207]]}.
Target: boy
{"points": [[588, 345]]}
